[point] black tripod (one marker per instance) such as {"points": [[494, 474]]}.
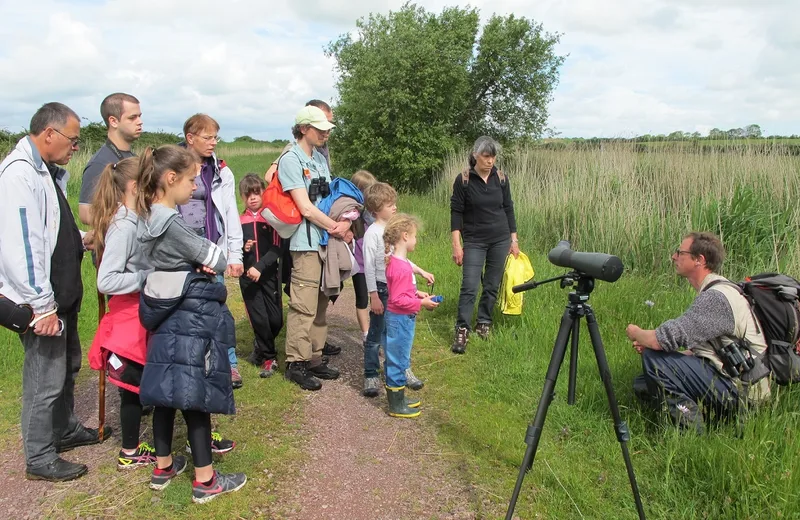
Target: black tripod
{"points": [[570, 326]]}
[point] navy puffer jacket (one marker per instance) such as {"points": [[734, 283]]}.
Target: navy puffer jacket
{"points": [[187, 364]]}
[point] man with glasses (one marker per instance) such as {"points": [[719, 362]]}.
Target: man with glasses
{"points": [[306, 324], [685, 359], [123, 118], [40, 265]]}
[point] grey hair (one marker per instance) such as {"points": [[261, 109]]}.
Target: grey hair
{"points": [[55, 115], [484, 145]]}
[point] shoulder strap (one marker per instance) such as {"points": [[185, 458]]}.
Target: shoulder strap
{"points": [[740, 291], [12, 162], [501, 176], [465, 177]]}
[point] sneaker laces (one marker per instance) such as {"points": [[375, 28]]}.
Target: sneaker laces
{"points": [[216, 437], [146, 448]]}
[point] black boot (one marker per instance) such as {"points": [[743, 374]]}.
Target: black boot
{"points": [[297, 373], [59, 470], [82, 437], [331, 350], [324, 371]]}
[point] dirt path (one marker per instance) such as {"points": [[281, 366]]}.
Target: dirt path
{"points": [[363, 464]]}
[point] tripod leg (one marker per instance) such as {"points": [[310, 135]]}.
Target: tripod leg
{"points": [[621, 428], [573, 361], [534, 432]]}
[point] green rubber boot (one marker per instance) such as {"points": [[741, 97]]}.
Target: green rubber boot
{"points": [[397, 403]]}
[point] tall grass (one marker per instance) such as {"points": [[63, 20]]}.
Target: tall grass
{"points": [[638, 205]]}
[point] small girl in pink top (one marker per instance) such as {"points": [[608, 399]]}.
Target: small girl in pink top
{"points": [[400, 238]]}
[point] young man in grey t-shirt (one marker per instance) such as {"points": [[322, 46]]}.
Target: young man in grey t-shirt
{"points": [[123, 117]]}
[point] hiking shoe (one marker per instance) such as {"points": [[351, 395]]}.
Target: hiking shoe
{"points": [[221, 483], [323, 371], [460, 341], [331, 350], [59, 470], [483, 329], [412, 381], [268, 368], [161, 477], [218, 444], [297, 373], [82, 437], [236, 378], [372, 386], [144, 456]]}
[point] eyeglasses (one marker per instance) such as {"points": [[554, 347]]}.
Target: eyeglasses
{"points": [[209, 138], [679, 252], [74, 141]]}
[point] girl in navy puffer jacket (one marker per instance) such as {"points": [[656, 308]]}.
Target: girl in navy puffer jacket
{"points": [[187, 366]]}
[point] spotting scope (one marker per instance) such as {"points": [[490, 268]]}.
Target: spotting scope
{"points": [[601, 266]]}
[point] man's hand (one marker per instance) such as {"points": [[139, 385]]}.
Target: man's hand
{"points": [[340, 229], [638, 347], [88, 240], [458, 254], [428, 303], [349, 236], [642, 338], [375, 304], [254, 274], [248, 245], [235, 270], [48, 326], [633, 332]]}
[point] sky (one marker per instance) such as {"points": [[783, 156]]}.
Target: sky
{"points": [[632, 66]]}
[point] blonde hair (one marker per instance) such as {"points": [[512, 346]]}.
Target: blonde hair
{"points": [[379, 195], [363, 180], [393, 233], [108, 196]]}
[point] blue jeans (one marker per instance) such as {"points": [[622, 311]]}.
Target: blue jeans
{"points": [[376, 335], [231, 350], [476, 257], [399, 338]]}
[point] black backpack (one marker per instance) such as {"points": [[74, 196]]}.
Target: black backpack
{"points": [[773, 297]]}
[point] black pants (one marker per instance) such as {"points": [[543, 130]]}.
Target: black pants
{"points": [[263, 303], [198, 431], [360, 288], [483, 265], [130, 418], [683, 382]]}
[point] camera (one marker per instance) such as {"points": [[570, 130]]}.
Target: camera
{"points": [[319, 188]]}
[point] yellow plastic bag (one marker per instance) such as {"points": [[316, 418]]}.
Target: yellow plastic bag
{"points": [[518, 270]]}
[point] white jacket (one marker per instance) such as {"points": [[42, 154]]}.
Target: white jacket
{"points": [[30, 219]]}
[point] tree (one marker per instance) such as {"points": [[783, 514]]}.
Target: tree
{"points": [[413, 85], [753, 131]]}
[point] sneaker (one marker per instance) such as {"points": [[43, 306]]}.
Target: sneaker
{"points": [[161, 478], [144, 456], [323, 371], [59, 470], [268, 368], [460, 341], [331, 350], [82, 437], [483, 329], [218, 444], [236, 378], [372, 386], [297, 372], [412, 381], [221, 483]]}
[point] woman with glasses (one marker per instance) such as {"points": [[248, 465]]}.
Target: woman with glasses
{"points": [[212, 210]]}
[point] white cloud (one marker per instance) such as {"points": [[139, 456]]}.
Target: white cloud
{"points": [[634, 66]]}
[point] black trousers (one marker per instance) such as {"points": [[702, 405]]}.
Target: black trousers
{"points": [[263, 303], [198, 431], [130, 418]]}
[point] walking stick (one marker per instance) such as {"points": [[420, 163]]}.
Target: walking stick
{"points": [[101, 387]]}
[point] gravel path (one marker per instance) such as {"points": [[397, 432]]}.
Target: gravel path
{"points": [[363, 464]]}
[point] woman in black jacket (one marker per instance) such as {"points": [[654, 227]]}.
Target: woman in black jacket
{"points": [[482, 216]]}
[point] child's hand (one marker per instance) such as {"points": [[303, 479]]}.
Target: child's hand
{"points": [[429, 277], [421, 294], [248, 245], [375, 304], [206, 270], [254, 274], [428, 303]]}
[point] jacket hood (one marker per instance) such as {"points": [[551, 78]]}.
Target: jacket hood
{"points": [[149, 229]]}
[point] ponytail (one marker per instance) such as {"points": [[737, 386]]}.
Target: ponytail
{"points": [[153, 164], [109, 194]]}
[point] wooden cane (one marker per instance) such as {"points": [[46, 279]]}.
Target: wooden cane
{"points": [[101, 386]]}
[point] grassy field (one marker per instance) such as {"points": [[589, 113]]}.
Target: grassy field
{"points": [[608, 200]]}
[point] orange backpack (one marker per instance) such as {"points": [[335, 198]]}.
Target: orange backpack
{"points": [[279, 209]]}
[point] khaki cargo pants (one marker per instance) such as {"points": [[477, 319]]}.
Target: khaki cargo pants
{"points": [[306, 324]]}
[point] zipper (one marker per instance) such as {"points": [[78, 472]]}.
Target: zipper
{"points": [[255, 238]]}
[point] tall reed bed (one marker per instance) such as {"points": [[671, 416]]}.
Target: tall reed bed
{"points": [[638, 205]]}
